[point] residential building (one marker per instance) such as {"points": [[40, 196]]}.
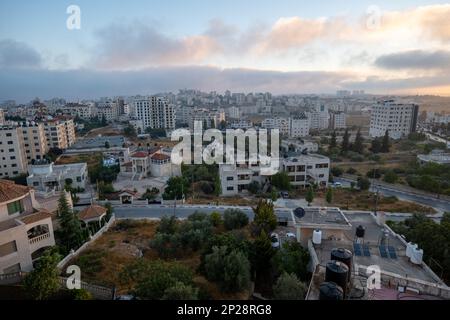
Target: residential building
{"points": [[280, 123], [299, 127], [397, 118], [151, 163], [234, 112], [338, 120], [47, 177], [154, 112], [25, 232], [208, 118], [2, 117], [13, 158], [60, 133], [83, 111], [34, 141], [241, 124]]}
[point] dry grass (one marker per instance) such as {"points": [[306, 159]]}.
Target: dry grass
{"points": [[90, 159]]}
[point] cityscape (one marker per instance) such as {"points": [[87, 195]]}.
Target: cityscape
{"points": [[204, 167]]}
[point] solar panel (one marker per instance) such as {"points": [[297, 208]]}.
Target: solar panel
{"points": [[366, 250], [383, 252], [392, 252], [357, 249]]}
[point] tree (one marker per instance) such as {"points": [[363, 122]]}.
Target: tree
{"points": [[261, 252], [129, 131], [345, 146], [333, 141], [336, 171], [376, 145], [288, 287], [309, 195], [216, 218], [217, 186], [363, 183], [292, 258], [254, 187], [358, 145], [390, 176], [329, 195], [265, 218], [181, 291], [70, 232], [107, 145], [43, 281], [81, 294], [234, 219], [281, 181], [176, 188], [386, 143]]}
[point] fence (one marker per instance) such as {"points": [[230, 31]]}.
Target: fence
{"points": [[98, 292], [11, 278]]}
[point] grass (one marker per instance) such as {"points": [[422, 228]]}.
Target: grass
{"points": [[91, 159]]}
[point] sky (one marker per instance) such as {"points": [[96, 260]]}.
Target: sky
{"points": [[285, 46]]}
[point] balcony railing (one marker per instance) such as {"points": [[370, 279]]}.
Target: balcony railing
{"points": [[39, 238]]}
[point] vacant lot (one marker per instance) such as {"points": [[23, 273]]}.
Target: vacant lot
{"points": [[91, 159]]}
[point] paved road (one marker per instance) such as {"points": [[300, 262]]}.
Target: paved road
{"points": [[158, 211], [439, 204]]}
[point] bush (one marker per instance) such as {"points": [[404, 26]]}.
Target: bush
{"points": [[81, 294], [336, 171], [180, 291], [234, 219], [390, 177], [288, 287], [254, 187], [352, 171], [168, 225], [207, 187], [216, 218], [363, 183], [292, 258]]}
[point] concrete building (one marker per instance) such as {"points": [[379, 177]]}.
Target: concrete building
{"points": [[398, 118], [2, 117], [299, 127], [83, 111], [13, 158], [34, 141], [436, 156], [60, 133], [151, 163], [234, 112], [280, 123], [155, 113], [338, 120], [47, 177], [24, 231], [210, 118]]}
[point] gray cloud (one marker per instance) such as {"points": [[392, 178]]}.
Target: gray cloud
{"points": [[415, 59], [15, 54]]}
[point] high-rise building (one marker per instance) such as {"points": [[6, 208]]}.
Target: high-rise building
{"points": [[2, 117], [13, 159], [34, 141], [338, 120], [299, 127], [60, 133], [397, 118], [154, 112]]}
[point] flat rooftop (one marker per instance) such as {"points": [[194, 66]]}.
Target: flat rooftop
{"points": [[310, 157], [98, 142], [321, 217], [399, 265]]}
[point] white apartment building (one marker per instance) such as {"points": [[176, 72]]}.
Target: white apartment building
{"points": [[299, 127], [60, 133], [210, 118], [25, 232], [109, 110], [34, 141], [398, 118], [83, 111], [47, 177], [303, 171], [151, 163], [319, 118], [13, 159], [155, 113], [241, 124], [338, 120], [234, 112], [282, 124]]}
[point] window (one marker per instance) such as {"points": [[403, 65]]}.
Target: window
{"points": [[230, 188], [230, 178], [15, 207], [8, 248], [36, 184], [12, 269]]}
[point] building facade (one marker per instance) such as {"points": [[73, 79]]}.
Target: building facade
{"points": [[397, 118], [155, 113], [13, 158], [25, 232], [34, 141]]}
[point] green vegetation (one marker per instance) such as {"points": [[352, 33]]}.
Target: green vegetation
{"points": [[329, 196], [292, 258], [281, 181], [363, 183], [288, 287], [70, 234], [102, 173], [176, 188], [432, 237], [430, 177], [265, 218], [43, 281], [130, 132], [234, 219], [309, 195]]}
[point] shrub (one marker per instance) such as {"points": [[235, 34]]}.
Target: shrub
{"points": [[81, 294], [352, 171], [336, 171], [234, 219], [180, 291], [288, 287], [216, 218]]}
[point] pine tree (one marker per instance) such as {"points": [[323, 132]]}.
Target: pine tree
{"points": [[376, 145], [261, 252], [70, 231], [265, 217], [310, 196], [333, 141], [329, 195], [345, 146], [386, 144], [358, 146]]}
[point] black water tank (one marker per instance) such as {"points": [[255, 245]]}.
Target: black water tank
{"points": [[345, 256], [337, 272], [360, 232], [330, 291]]}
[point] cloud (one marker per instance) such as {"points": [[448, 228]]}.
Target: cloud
{"points": [[15, 54], [415, 59], [137, 45]]}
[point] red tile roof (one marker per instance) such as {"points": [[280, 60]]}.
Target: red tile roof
{"points": [[140, 154], [35, 217], [92, 212], [160, 156], [10, 191]]}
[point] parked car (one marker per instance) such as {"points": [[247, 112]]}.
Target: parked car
{"points": [[275, 238], [337, 185], [291, 236], [284, 195]]}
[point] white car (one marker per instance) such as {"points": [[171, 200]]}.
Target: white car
{"points": [[275, 238], [291, 236], [337, 185]]}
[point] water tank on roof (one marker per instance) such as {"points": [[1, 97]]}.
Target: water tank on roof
{"points": [[410, 248], [330, 291], [337, 272], [317, 236], [417, 256], [345, 256], [360, 231]]}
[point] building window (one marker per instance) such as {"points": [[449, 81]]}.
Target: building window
{"points": [[230, 188], [8, 248], [230, 178], [15, 207]]}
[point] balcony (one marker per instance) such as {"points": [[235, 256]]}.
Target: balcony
{"points": [[40, 238]]}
